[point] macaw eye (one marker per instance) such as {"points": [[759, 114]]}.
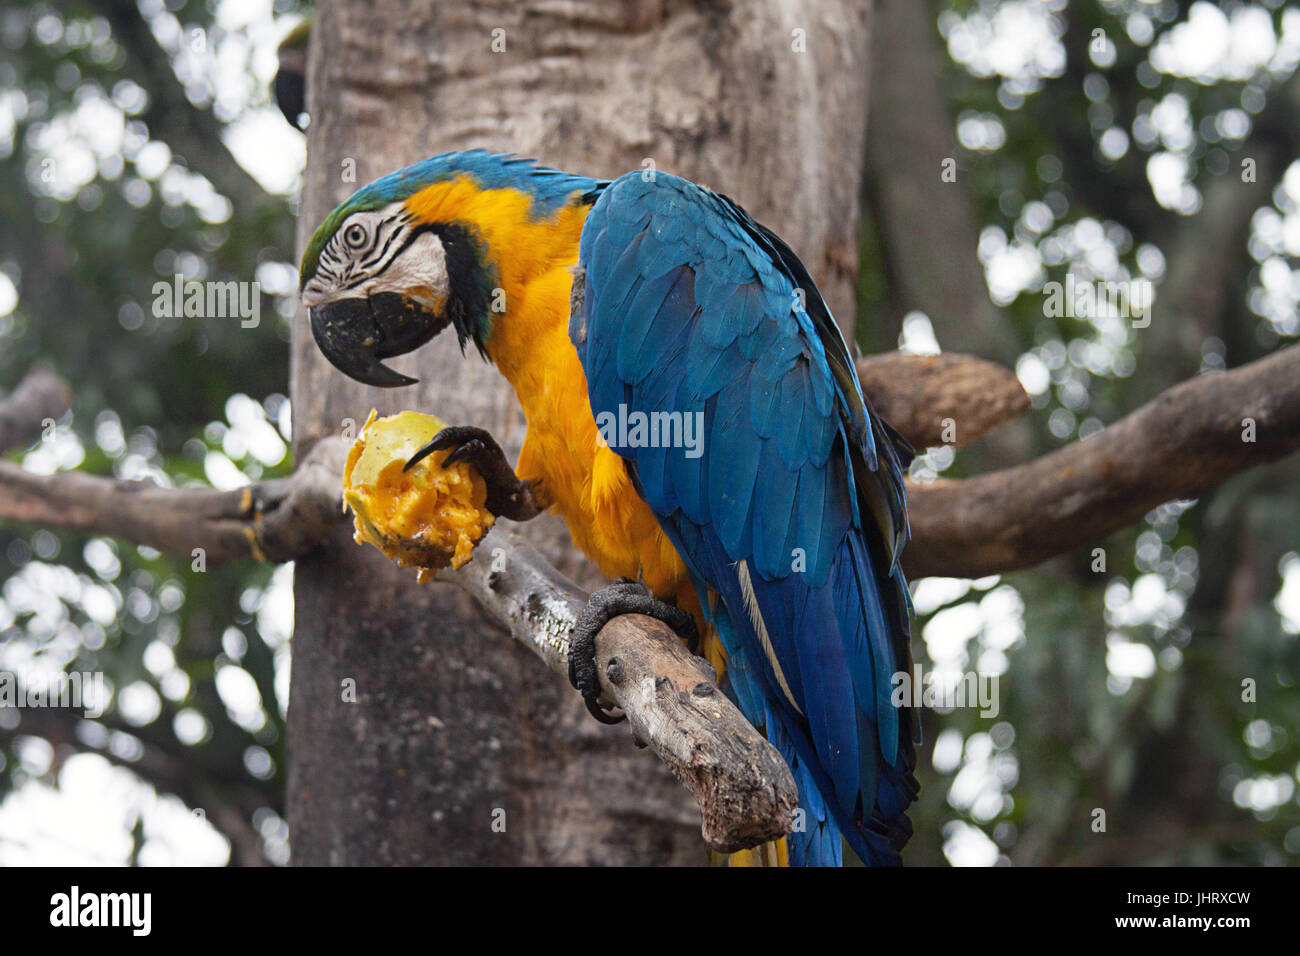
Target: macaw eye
{"points": [[354, 236]]}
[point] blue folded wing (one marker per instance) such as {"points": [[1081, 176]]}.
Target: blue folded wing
{"points": [[775, 481]]}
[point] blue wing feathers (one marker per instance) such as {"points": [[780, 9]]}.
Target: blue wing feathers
{"points": [[648, 308], [624, 276], [773, 514], [859, 579], [668, 341], [689, 478], [604, 253], [690, 306], [813, 515], [818, 842], [708, 370], [764, 405], [655, 256], [822, 665], [732, 480], [790, 431]]}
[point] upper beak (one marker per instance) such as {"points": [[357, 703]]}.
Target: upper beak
{"points": [[354, 334]]}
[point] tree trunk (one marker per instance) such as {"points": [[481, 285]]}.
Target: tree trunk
{"points": [[924, 218], [459, 747]]}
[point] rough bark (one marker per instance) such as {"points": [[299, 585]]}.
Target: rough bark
{"points": [[449, 725]]}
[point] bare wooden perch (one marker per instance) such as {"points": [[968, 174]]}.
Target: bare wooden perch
{"points": [[744, 789]]}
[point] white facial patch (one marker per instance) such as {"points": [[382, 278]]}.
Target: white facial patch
{"points": [[419, 273], [380, 251]]}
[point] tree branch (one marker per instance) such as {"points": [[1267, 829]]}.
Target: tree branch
{"points": [[745, 791], [1180, 445], [1185, 442], [275, 520], [919, 394], [280, 519]]}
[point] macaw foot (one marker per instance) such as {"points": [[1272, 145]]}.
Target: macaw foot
{"points": [[507, 495], [624, 597]]}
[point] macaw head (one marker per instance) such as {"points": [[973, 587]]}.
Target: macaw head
{"points": [[405, 257], [378, 282]]}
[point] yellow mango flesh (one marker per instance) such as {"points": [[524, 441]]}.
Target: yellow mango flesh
{"points": [[426, 518]]}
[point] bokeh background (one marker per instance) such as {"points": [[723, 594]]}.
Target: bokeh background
{"points": [[1109, 139]]}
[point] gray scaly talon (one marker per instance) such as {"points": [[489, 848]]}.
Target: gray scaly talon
{"points": [[623, 597]]}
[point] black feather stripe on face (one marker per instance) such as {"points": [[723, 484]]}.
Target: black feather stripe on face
{"points": [[471, 280]]}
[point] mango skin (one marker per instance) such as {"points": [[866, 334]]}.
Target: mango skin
{"points": [[427, 518]]}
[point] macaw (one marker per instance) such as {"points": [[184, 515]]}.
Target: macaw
{"points": [[763, 507], [290, 83]]}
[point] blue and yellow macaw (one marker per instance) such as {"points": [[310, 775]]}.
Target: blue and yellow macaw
{"points": [[771, 509]]}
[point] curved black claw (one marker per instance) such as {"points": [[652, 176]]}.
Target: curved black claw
{"points": [[506, 494], [623, 597]]}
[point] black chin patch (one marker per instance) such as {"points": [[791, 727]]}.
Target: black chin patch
{"points": [[471, 282]]}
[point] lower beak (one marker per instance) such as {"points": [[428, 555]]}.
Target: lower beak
{"points": [[354, 334]]}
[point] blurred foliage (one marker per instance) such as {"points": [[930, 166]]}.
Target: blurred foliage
{"points": [[1121, 683], [114, 175]]}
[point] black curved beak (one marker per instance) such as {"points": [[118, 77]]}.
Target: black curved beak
{"points": [[354, 334]]}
